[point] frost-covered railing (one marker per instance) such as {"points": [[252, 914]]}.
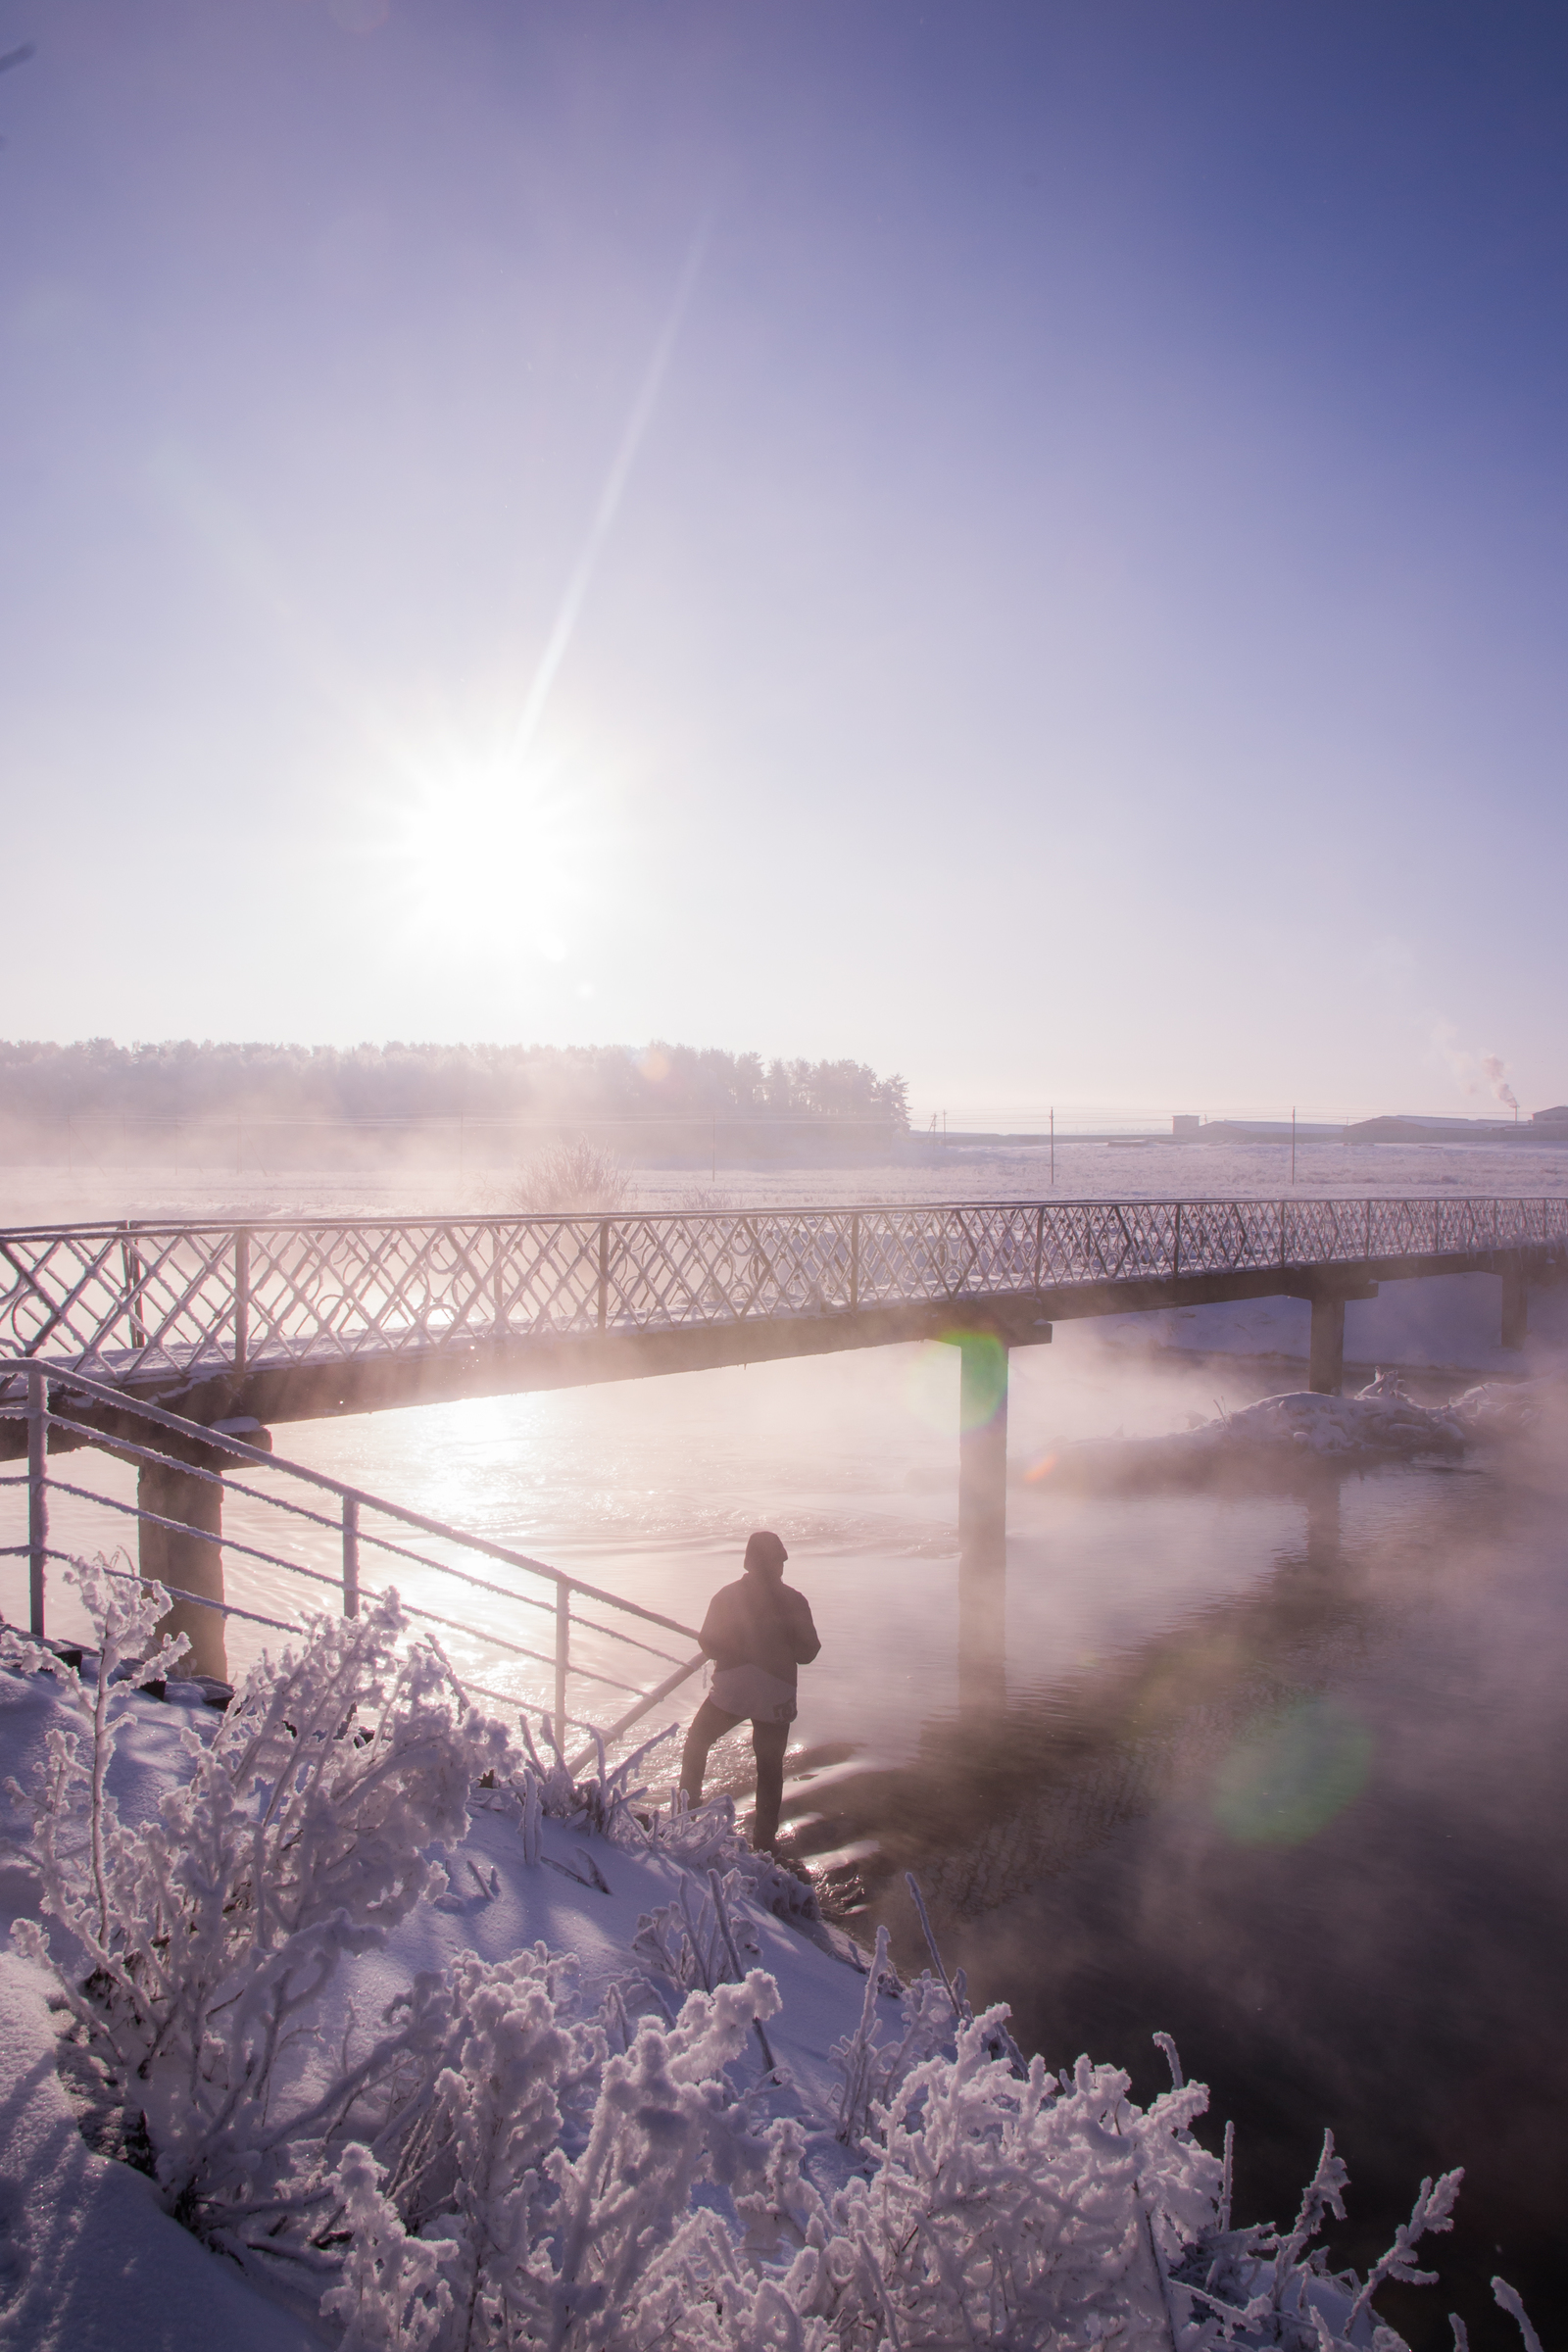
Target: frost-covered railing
{"points": [[132, 1301], [148, 1301], [294, 1531]]}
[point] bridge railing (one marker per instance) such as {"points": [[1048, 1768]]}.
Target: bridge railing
{"points": [[294, 1539], [152, 1300]]}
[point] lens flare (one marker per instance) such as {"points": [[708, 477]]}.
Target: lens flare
{"points": [[1293, 1769], [928, 1383], [985, 1382]]}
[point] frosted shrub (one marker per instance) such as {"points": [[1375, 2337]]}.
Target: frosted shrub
{"points": [[631, 2247], [76, 1842], [1270, 2288], [302, 1835], [600, 1803], [550, 2184], [512, 2077], [569, 1178], [1001, 2211], [685, 1939], [871, 2069], [392, 2291]]}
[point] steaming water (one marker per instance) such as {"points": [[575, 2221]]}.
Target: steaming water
{"points": [[1282, 1773]]}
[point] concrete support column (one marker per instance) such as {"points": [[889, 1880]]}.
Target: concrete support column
{"points": [[1326, 1361], [189, 1555], [1515, 1308], [982, 1523], [1323, 1521]]}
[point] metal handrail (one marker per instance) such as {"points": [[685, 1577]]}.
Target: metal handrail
{"points": [[149, 1301], [125, 1229], [42, 1383], [128, 1228], [223, 1440]]}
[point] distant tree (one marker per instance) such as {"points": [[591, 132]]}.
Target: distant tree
{"points": [[572, 1087]]}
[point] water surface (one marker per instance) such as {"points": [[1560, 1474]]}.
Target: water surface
{"points": [[1280, 1772]]}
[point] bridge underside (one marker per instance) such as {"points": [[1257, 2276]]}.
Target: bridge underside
{"points": [[308, 1386]]}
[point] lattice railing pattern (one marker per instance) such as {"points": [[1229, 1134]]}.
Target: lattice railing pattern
{"points": [[147, 1302]]}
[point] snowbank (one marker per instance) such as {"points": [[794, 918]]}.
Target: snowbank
{"points": [[443, 2053], [1280, 1434], [88, 2260], [1379, 1421]]}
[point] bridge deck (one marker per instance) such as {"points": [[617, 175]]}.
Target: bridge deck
{"points": [[291, 1320]]}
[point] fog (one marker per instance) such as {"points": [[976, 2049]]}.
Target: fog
{"points": [[222, 1170], [1274, 1766], [1277, 1770]]}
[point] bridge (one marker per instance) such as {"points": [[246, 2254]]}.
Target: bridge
{"points": [[232, 1328]]}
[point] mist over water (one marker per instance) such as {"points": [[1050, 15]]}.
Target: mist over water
{"points": [[1310, 1823], [1279, 1771]]}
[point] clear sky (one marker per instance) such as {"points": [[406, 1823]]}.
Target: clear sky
{"points": [[1023, 544]]}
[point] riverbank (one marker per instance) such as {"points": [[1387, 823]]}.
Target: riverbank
{"points": [[523, 2082]]}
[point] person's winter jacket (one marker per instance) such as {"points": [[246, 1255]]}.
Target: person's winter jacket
{"points": [[761, 1621]]}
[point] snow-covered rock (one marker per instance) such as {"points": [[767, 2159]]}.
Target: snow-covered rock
{"points": [[1380, 1420]]}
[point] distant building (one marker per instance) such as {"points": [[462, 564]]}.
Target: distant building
{"points": [[1556, 1116], [1184, 1124]]}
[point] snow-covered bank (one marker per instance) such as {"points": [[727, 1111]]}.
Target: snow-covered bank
{"points": [[1279, 1435], [430, 2049]]}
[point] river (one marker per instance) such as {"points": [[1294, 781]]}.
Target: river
{"points": [[1278, 1772], [1281, 1772]]}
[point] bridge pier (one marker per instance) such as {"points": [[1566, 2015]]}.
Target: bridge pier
{"points": [[189, 1555], [1515, 1308], [982, 1523], [1326, 1355]]}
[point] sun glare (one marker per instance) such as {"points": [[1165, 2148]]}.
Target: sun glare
{"points": [[486, 856]]}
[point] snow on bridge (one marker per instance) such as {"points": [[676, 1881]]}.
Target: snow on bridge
{"points": [[273, 1321]]}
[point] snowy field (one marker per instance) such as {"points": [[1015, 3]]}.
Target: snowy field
{"points": [[38, 1196]]}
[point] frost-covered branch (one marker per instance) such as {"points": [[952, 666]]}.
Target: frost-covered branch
{"points": [[305, 1831]]}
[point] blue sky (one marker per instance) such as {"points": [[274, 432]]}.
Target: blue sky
{"points": [[1030, 538]]}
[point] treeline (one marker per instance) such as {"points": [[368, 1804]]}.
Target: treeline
{"points": [[567, 1086]]}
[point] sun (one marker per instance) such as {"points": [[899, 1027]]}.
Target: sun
{"points": [[482, 854]]}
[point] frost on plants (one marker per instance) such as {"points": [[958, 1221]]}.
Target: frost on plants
{"points": [[873, 2068], [481, 2168], [600, 1803], [303, 1833], [392, 2291], [684, 1940], [1258, 2285], [557, 2179]]}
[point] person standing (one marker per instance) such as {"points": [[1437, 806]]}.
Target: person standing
{"points": [[757, 1632]]}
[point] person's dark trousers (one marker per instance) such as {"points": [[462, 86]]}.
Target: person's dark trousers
{"points": [[768, 1742]]}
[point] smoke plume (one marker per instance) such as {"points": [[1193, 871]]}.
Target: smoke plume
{"points": [[1491, 1070], [1474, 1073]]}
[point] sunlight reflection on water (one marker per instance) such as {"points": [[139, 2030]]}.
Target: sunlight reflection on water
{"points": [[1280, 1772]]}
